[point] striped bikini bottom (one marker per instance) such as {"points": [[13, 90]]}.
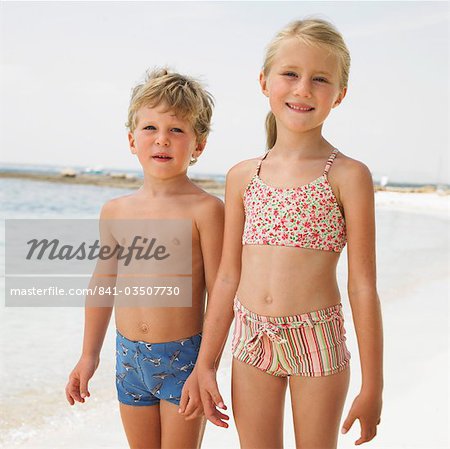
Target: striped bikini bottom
{"points": [[311, 344]]}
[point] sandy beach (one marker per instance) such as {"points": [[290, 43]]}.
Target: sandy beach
{"points": [[40, 346]]}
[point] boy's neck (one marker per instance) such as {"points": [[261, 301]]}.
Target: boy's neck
{"points": [[156, 187]]}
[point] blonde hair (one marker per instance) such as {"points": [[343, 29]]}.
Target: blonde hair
{"points": [[183, 95], [317, 32]]}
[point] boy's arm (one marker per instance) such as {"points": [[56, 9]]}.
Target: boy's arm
{"points": [[209, 222], [210, 225], [357, 196], [96, 317], [99, 307], [219, 314]]}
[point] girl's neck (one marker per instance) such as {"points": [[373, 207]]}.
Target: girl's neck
{"points": [[301, 145], [158, 188]]}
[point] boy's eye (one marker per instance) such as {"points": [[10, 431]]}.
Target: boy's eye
{"points": [[150, 127], [177, 130], [321, 79], [290, 74]]}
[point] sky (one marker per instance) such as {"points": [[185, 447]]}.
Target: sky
{"points": [[67, 70]]}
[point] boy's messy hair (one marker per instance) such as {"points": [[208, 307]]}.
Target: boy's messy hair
{"points": [[182, 94]]}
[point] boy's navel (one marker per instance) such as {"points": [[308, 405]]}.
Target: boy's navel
{"points": [[144, 327]]}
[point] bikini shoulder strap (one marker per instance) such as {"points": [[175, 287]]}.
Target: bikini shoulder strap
{"points": [[258, 168], [330, 161]]}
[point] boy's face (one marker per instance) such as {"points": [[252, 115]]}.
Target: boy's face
{"points": [[163, 142]]}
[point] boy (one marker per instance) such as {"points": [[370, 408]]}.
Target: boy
{"points": [[169, 121]]}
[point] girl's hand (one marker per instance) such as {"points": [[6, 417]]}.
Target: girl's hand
{"points": [[366, 408], [211, 397], [190, 403], [77, 387]]}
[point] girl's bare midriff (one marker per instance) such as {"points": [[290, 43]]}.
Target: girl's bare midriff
{"points": [[282, 281]]}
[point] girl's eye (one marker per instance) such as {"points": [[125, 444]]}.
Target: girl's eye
{"points": [[320, 79], [177, 130], [150, 127], [290, 74]]}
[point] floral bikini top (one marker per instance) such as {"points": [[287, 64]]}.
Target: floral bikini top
{"points": [[303, 217]]}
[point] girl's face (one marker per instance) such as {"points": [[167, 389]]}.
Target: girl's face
{"points": [[163, 142], [302, 86]]}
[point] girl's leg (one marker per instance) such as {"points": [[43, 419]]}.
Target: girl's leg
{"points": [[258, 406], [176, 432], [142, 426], [317, 404]]}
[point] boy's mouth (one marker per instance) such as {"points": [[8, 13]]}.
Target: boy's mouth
{"points": [[161, 157], [300, 107]]}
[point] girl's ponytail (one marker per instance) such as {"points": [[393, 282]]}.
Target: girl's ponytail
{"points": [[271, 130]]}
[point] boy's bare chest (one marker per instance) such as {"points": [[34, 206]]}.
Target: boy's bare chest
{"points": [[173, 221]]}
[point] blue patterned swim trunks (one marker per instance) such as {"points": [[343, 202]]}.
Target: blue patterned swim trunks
{"points": [[149, 372]]}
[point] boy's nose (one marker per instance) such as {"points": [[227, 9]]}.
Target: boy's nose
{"points": [[162, 140]]}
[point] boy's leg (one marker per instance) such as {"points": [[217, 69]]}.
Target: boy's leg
{"points": [[258, 406], [142, 426], [317, 404], [177, 432]]}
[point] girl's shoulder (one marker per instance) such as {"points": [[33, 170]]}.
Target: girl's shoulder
{"points": [[242, 173], [345, 166], [348, 175]]}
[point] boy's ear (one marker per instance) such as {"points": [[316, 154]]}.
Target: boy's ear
{"points": [[132, 143], [199, 148], [263, 84]]}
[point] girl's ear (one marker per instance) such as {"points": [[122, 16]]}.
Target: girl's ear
{"points": [[263, 84], [132, 143], [340, 97]]}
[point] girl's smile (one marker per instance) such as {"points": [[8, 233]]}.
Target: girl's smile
{"points": [[299, 107]]}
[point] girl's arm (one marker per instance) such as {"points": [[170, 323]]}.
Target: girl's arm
{"points": [[219, 314], [357, 196]]}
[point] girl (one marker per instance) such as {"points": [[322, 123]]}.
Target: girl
{"points": [[289, 215]]}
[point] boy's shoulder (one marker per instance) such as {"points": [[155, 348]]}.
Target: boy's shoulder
{"points": [[208, 201], [113, 207]]}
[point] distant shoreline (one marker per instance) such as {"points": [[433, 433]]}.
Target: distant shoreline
{"points": [[131, 182], [114, 180]]}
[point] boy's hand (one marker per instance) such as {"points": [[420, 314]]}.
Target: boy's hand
{"points": [[77, 387], [190, 403], [366, 408], [211, 398]]}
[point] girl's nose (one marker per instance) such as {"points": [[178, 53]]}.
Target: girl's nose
{"points": [[303, 88]]}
